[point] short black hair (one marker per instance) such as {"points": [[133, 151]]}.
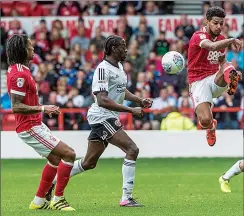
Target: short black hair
{"points": [[17, 49], [215, 12], [112, 40]]}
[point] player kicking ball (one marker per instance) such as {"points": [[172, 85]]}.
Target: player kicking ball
{"points": [[25, 105], [109, 88], [224, 180], [209, 73]]}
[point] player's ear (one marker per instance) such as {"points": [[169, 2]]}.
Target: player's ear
{"points": [[113, 48]]}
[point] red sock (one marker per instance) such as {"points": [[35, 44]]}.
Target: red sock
{"points": [[48, 174], [63, 175]]}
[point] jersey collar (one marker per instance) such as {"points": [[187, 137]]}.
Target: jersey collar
{"points": [[111, 63]]}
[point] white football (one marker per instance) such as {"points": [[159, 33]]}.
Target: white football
{"points": [[173, 62]]}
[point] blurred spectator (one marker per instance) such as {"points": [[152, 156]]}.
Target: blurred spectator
{"points": [[98, 40], [62, 97], [130, 74], [81, 39], [175, 121], [156, 60], [43, 42], [184, 101], [80, 24], [91, 8], [69, 8], [230, 8], [171, 91], [15, 28], [205, 7], [163, 103], [93, 56], [130, 9], [57, 24], [161, 45], [42, 28], [83, 87], [128, 29], [151, 8], [187, 26], [180, 35], [77, 99], [226, 30], [113, 7], [56, 38], [136, 59], [69, 71], [241, 36], [105, 10], [227, 120], [37, 49], [142, 83]]}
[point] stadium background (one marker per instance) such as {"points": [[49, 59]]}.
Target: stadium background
{"points": [[63, 72]]}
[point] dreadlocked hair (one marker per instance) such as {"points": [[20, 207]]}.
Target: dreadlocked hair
{"points": [[17, 49], [215, 12], [112, 40]]}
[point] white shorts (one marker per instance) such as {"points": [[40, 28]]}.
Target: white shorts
{"points": [[40, 138], [205, 90]]}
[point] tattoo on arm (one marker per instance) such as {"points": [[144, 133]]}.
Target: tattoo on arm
{"points": [[19, 107]]}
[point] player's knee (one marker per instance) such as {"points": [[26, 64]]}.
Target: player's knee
{"points": [[205, 121], [69, 155], [133, 150], [241, 165]]}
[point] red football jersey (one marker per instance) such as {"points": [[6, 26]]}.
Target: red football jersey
{"points": [[20, 82], [202, 62]]}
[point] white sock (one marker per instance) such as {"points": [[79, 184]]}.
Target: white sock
{"points": [[234, 170], [128, 171], [77, 168], [56, 198], [38, 200]]}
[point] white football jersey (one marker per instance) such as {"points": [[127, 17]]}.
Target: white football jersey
{"points": [[111, 79]]}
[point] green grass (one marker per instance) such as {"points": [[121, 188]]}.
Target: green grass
{"points": [[167, 187]]}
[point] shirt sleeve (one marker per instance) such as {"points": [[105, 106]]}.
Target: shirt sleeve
{"points": [[198, 39], [19, 84], [100, 80]]}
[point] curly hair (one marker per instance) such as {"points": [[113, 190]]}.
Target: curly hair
{"points": [[215, 12], [112, 40], [17, 49]]}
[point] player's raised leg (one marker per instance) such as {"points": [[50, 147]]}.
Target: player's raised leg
{"points": [[126, 144], [224, 180]]}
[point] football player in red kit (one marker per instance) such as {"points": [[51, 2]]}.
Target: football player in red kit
{"points": [[209, 73], [29, 127]]}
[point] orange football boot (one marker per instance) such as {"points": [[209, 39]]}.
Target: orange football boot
{"points": [[211, 136]]}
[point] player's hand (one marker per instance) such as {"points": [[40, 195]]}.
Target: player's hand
{"points": [[146, 102], [237, 43], [51, 109], [137, 111]]}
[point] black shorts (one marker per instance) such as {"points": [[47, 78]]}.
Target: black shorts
{"points": [[105, 130]]}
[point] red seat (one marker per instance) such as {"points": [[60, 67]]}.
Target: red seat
{"points": [[22, 8]]}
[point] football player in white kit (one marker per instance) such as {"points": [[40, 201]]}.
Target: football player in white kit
{"points": [[109, 88]]}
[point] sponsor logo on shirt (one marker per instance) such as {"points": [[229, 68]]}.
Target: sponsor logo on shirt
{"points": [[20, 82]]}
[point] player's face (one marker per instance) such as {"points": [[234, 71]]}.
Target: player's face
{"points": [[216, 25], [30, 50], [122, 51]]}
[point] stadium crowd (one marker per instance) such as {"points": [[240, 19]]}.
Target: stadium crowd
{"points": [[65, 61]]}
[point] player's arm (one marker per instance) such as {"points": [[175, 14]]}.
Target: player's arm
{"points": [[104, 101], [144, 102], [219, 45], [19, 107]]}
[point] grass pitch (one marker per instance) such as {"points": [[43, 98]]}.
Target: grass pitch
{"points": [[167, 187]]}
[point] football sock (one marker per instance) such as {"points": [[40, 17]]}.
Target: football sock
{"points": [[63, 175], [77, 168], [128, 171], [48, 174], [234, 170]]}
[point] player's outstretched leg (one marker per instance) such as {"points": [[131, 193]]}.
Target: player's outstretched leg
{"points": [[207, 122], [125, 143], [48, 174], [65, 166], [224, 180]]}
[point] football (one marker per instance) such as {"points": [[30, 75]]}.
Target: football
{"points": [[173, 62]]}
